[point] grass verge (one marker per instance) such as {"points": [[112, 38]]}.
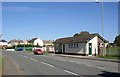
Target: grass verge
{"points": [[0, 65], [111, 57]]}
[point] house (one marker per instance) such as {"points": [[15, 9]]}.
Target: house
{"points": [[48, 42], [83, 43], [3, 43], [15, 42], [25, 41], [48, 45], [36, 41]]}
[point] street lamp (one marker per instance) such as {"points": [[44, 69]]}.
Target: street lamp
{"points": [[102, 11]]}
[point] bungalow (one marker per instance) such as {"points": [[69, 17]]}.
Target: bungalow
{"points": [[3, 43], [83, 43], [15, 42]]}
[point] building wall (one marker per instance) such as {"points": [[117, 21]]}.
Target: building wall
{"points": [[94, 42], [38, 42], [3, 43], [78, 50], [58, 48], [48, 48], [102, 49]]}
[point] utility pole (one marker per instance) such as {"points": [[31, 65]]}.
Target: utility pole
{"points": [[102, 12]]}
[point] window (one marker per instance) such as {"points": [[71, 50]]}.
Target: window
{"points": [[73, 45]]}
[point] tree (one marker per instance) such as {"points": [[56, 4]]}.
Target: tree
{"points": [[84, 32], [117, 40], [76, 34]]}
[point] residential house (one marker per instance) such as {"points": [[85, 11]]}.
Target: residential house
{"points": [[15, 42], [48, 45], [36, 41], [3, 43], [83, 43], [25, 41]]}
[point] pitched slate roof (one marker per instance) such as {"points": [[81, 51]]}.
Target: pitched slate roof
{"points": [[3, 40], [16, 41], [32, 40], [81, 38]]}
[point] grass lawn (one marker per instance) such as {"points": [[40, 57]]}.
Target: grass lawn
{"points": [[112, 57]]}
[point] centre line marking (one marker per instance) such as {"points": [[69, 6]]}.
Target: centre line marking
{"points": [[33, 59], [25, 56], [70, 72], [47, 64], [88, 64]]}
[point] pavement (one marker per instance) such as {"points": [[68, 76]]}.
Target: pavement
{"points": [[88, 57]]}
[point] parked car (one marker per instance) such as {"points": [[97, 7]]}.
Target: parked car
{"points": [[38, 51]]}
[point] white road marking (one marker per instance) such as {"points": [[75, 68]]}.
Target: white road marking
{"points": [[70, 72], [88, 65], [101, 67], [47, 64], [33, 59], [25, 56]]}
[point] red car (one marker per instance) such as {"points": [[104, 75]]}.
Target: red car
{"points": [[38, 51]]}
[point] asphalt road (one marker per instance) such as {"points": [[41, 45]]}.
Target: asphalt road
{"points": [[19, 63]]}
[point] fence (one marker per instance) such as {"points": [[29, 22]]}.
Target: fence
{"points": [[113, 51]]}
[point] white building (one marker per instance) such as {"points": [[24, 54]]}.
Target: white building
{"points": [[48, 45], [36, 41], [85, 44], [3, 43]]}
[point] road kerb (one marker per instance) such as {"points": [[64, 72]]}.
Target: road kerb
{"points": [[90, 58]]}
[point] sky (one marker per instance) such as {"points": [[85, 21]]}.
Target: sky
{"points": [[53, 20]]}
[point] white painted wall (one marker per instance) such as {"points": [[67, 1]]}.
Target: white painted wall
{"points": [[3, 43], [44, 49], [10, 49], [38, 41], [9, 45], [94, 42], [51, 49]]}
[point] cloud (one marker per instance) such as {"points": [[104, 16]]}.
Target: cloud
{"points": [[22, 9]]}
